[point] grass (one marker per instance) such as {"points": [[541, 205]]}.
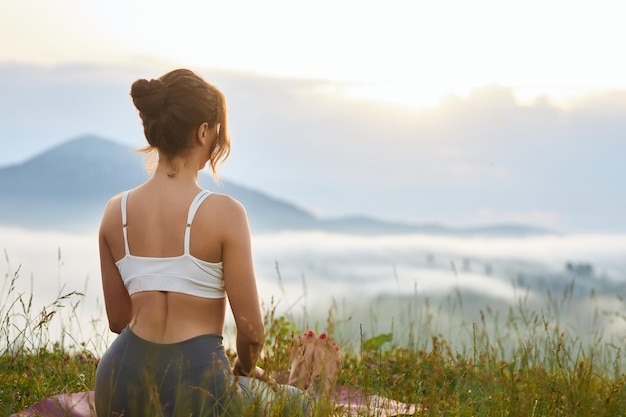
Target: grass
{"points": [[519, 361], [32, 366]]}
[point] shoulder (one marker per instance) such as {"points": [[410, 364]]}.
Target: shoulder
{"points": [[114, 204], [112, 214], [226, 211], [227, 203]]}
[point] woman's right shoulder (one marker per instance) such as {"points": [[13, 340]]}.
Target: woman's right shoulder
{"points": [[226, 202], [228, 209], [112, 213]]}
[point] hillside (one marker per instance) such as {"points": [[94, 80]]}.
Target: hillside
{"points": [[67, 187]]}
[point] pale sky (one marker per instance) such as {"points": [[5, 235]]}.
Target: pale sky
{"points": [[412, 52], [459, 112]]}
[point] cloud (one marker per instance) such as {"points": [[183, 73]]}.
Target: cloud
{"points": [[300, 140]]}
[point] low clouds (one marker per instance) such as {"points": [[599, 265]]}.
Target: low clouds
{"points": [[475, 159]]}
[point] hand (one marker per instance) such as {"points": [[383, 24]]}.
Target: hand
{"points": [[256, 372]]}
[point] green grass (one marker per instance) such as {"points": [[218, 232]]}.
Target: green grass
{"points": [[32, 366], [519, 361]]}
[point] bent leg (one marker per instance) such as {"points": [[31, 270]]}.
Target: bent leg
{"points": [[260, 398]]}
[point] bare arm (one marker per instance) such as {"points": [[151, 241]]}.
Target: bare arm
{"points": [[240, 283], [116, 298]]}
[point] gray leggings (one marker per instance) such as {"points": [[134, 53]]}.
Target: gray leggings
{"points": [[136, 377]]}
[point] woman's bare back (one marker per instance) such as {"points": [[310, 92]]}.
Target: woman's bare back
{"points": [[156, 223]]}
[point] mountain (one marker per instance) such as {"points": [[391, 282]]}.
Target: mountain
{"points": [[67, 187]]}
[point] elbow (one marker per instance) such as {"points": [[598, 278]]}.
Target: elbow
{"points": [[116, 326], [119, 319]]}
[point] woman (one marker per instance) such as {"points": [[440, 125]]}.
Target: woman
{"points": [[171, 254]]}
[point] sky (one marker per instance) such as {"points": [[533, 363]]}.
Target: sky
{"points": [[456, 112]]}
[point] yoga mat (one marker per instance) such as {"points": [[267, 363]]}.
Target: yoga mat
{"points": [[348, 401]]}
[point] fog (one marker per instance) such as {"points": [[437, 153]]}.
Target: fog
{"points": [[370, 284]]}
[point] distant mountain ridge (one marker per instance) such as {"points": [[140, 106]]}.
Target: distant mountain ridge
{"points": [[66, 188]]}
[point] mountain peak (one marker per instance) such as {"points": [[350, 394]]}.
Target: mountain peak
{"points": [[81, 149]]}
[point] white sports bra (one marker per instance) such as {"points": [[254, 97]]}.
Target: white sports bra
{"points": [[183, 274]]}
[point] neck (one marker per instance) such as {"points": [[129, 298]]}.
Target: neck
{"points": [[177, 168]]}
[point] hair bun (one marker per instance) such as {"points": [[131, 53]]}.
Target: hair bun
{"points": [[149, 97]]}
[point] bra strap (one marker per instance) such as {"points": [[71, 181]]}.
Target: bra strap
{"points": [[124, 199], [200, 197]]}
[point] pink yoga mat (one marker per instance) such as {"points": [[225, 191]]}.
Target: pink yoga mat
{"points": [[347, 400]]}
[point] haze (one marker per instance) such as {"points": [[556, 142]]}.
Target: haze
{"points": [[452, 112]]}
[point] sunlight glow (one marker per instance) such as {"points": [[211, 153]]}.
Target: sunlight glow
{"points": [[407, 53], [407, 95]]}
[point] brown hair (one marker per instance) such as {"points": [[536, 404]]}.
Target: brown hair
{"points": [[173, 106]]}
